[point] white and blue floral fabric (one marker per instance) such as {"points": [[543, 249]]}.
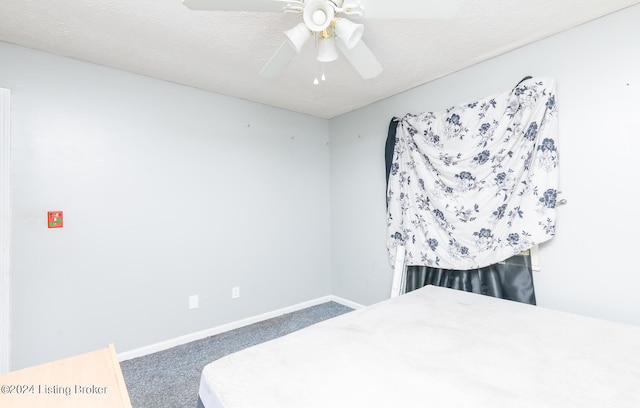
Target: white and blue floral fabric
{"points": [[477, 183]]}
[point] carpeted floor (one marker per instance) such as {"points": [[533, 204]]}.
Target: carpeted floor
{"points": [[170, 378]]}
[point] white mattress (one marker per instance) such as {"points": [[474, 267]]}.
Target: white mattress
{"points": [[436, 347]]}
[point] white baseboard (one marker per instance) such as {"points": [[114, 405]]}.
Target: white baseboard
{"points": [[164, 345], [345, 302]]}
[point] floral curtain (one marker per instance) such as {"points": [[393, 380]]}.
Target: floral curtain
{"points": [[475, 184]]}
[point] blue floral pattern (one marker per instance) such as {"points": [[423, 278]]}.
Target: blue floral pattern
{"points": [[477, 183]]}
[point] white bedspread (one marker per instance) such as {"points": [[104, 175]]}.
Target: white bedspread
{"points": [[436, 347]]}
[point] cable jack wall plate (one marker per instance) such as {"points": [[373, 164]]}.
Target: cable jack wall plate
{"points": [[193, 302]]}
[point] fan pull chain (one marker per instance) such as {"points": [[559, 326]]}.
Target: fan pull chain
{"points": [[323, 77]]}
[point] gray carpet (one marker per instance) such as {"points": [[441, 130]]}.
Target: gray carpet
{"points": [[170, 378]]}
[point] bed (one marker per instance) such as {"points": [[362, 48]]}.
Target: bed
{"points": [[436, 347]]}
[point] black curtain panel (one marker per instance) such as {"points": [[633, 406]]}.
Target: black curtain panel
{"points": [[511, 279]]}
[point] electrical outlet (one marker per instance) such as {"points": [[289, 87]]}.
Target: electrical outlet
{"points": [[235, 292], [193, 302]]}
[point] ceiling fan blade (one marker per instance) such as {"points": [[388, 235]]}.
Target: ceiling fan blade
{"points": [[235, 5], [362, 59], [279, 60], [411, 8]]}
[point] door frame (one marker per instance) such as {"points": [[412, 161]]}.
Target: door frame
{"points": [[5, 229]]}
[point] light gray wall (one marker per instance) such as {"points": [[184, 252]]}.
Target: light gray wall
{"points": [[170, 191], [167, 192], [588, 268]]}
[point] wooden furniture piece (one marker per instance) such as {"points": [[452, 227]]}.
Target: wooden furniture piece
{"points": [[88, 380]]}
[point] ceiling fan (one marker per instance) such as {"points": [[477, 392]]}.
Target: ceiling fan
{"points": [[329, 23]]}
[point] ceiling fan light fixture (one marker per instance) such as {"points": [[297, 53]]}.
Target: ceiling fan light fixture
{"points": [[318, 14], [348, 31], [327, 50], [298, 36]]}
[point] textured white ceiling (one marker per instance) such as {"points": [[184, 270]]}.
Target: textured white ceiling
{"points": [[224, 51]]}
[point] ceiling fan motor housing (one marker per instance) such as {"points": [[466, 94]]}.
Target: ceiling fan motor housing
{"points": [[318, 14]]}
